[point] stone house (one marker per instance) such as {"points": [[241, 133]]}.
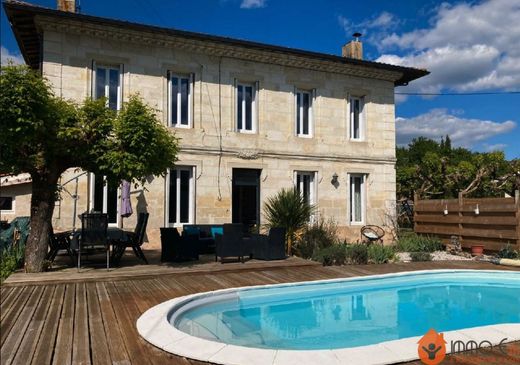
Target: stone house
{"points": [[252, 118]]}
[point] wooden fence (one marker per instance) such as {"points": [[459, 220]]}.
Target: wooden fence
{"points": [[493, 222]]}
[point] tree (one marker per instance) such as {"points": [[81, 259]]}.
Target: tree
{"points": [[288, 209], [432, 169], [44, 135]]}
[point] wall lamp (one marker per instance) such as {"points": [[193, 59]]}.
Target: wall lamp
{"points": [[446, 210], [477, 211], [334, 180]]}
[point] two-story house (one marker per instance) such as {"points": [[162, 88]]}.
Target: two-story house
{"points": [[252, 118]]}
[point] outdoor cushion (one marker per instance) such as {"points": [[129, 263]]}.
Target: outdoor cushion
{"points": [[195, 231], [216, 230]]}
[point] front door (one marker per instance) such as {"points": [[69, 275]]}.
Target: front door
{"points": [[246, 196]]}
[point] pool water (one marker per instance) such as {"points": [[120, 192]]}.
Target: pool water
{"points": [[350, 313]]}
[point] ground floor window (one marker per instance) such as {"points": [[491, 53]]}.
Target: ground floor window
{"points": [[104, 198], [6, 204], [304, 181], [180, 195], [357, 198]]}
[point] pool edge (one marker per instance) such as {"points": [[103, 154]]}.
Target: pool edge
{"points": [[154, 327]]}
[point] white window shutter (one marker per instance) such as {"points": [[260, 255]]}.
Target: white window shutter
{"points": [[312, 113], [191, 99], [120, 96], [257, 109]]}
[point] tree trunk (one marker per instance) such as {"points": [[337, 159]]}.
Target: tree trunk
{"points": [[42, 207]]}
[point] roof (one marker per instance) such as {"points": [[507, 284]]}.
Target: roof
{"points": [[22, 15]]}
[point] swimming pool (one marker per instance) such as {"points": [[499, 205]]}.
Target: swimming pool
{"points": [[339, 315]]}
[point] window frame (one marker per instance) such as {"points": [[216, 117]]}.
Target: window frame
{"points": [[364, 178], [92, 192], [13, 205], [361, 118], [108, 67], [191, 198], [254, 106], [312, 184], [179, 76], [310, 117]]}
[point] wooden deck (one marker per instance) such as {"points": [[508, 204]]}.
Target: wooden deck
{"points": [[93, 321]]}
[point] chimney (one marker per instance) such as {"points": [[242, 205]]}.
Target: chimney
{"points": [[67, 5], [354, 48]]}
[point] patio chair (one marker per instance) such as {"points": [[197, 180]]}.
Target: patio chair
{"points": [[230, 243], [133, 239], [175, 247], [58, 242], [94, 236], [271, 247], [372, 233]]}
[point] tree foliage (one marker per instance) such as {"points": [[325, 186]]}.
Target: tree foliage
{"points": [[44, 135], [437, 170]]}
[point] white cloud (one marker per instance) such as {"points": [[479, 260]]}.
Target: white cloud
{"points": [[371, 26], [6, 56], [436, 123], [469, 47], [252, 4], [494, 147]]}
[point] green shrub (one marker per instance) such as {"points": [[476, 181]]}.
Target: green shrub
{"points": [[11, 258], [420, 256], [315, 237], [332, 255], [357, 254], [507, 252], [379, 254], [415, 243]]}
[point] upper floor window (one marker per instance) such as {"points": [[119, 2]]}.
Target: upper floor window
{"points": [[108, 85], [357, 198], [303, 113], [180, 96], [246, 108], [357, 118]]}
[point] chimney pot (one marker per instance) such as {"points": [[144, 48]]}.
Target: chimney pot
{"points": [[354, 48], [67, 5]]}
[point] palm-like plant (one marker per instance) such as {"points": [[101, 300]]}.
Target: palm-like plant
{"points": [[288, 209]]}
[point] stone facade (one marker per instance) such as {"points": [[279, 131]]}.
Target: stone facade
{"points": [[212, 145]]}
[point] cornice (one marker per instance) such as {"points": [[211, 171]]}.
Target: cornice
{"points": [[69, 26]]}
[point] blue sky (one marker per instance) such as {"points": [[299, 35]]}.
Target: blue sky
{"points": [[470, 46]]}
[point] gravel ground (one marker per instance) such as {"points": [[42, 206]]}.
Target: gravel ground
{"points": [[437, 256]]}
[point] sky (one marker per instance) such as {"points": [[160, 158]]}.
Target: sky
{"points": [[468, 46]]}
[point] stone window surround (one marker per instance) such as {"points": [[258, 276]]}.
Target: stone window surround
{"points": [[191, 83], [13, 204]]}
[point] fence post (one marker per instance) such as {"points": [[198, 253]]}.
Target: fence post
{"points": [[517, 214], [415, 200], [461, 204]]}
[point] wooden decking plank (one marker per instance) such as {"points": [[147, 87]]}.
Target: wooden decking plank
{"points": [[98, 339], [63, 349], [45, 348], [13, 311], [81, 341], [8, 303], [115, 343], [32, 334], [18, 331], [126, 323], [5, 291]]}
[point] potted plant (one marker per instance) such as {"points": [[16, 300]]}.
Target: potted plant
{"points": [[477, 250]]}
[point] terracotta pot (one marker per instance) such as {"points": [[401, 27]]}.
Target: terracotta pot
{"points": [[477, 250]]}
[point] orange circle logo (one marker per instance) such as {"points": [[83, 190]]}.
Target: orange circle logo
{"points": [[432, 348]]}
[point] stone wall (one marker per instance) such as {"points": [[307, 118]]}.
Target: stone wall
{"points": [[67, 64]]}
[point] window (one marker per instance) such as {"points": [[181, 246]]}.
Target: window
{"points": [[303, 113], [104, 198], [180, 191], [246, 108], [357, 198], [7, 204], [180, 96], [357, 118], [305, 185], [108, 85]]}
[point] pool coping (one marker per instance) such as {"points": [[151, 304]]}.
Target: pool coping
{"points": [[154, 327]]}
